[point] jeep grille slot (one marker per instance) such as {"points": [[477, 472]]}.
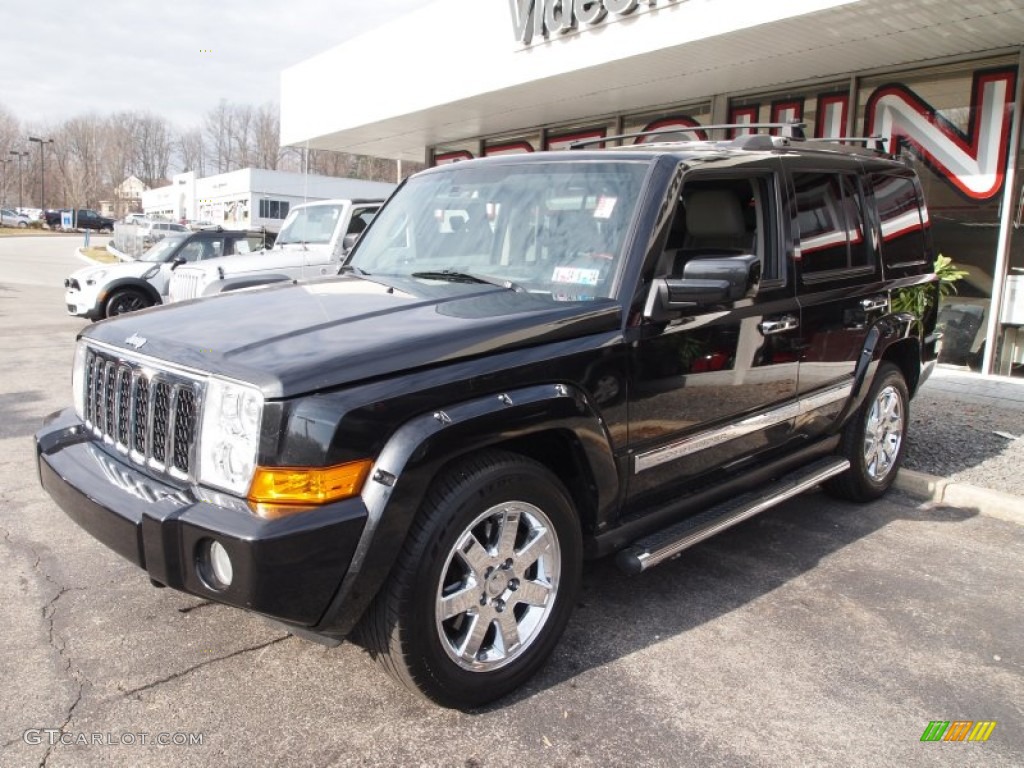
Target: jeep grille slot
{"points": [[184, 284], [149, 415]]}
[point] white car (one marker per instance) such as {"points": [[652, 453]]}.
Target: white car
{"points": [[113, 289], [313, 240], [11, 218]]}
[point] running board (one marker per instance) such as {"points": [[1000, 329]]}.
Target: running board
{"points": [[658, 547]]}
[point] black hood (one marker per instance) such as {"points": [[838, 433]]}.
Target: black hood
{"points": [[293, 339]]}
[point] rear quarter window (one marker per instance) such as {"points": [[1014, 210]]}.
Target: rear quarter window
{"points": [[902, 220]]}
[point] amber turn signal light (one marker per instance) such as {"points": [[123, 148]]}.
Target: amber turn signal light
{"points": [[308, 485]]}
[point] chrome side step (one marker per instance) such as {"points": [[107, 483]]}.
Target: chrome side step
{"points": [[658, 547]]}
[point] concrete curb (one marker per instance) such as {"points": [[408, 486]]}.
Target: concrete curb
{"points": [[1003, 506]]}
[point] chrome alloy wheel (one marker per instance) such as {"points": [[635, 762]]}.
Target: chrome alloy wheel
{"points": [[498, 586], [883, 433]]}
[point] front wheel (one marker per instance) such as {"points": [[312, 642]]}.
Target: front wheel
{"points": [[483, 587], [126, 300], [875, 439]]}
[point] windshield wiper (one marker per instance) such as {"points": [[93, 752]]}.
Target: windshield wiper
{"points": [[454, 276]]}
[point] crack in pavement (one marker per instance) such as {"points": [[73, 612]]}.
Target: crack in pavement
{"points": [[196, 607], [54, 639], [202, 664]]}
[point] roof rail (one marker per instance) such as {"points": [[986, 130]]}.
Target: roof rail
{"points": [[793, 130], [878, 140]]}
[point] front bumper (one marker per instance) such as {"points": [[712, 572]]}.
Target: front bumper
{"points": [[80, 303], [288, 569]]}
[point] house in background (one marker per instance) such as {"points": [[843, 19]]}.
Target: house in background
{"points": [[127, 198]]}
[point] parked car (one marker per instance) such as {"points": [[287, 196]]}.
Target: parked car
{"points": [[312, 243], [11, 218], [415, 451], [113, 289], [153, 230], [81, 218]]}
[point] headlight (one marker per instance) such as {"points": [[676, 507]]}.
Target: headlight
{"points": [[78, 380], [230, 435], [151, 272]]}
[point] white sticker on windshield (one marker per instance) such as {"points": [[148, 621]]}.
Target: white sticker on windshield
{"points": [[576, 275], [605, 206]]}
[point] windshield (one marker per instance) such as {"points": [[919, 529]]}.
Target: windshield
{"points": [[555, 229], [162, 250], [310, 225]]}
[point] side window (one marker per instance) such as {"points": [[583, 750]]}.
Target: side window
{"points": [[211, 249], [900, 218], [716, 218], [361, 218], [192, 251], [830, 217]]}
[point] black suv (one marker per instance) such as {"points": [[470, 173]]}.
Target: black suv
{"points": [[526, 361]]}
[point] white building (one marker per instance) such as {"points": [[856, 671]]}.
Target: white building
{"points": [[940, 81], [251, 198]]}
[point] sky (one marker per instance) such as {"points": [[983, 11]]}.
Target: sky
{"points": [[176, 59]]}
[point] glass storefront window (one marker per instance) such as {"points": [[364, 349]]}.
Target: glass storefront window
{"points": [[952, 124]]}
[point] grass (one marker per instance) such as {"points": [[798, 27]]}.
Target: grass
{"points": [[102, 255], [25, 232]]}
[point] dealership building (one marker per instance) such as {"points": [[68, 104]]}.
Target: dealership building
{"points": [[940, 81]]}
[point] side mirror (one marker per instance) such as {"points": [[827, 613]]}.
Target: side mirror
{"points": [[348, 242], [176, 262], [705, 282]]}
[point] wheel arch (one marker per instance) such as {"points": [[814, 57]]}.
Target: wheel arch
{"points": [[128, 282], [552, 424]]}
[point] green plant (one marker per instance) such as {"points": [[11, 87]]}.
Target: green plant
{"points": [[949, 274], [919, 299]]}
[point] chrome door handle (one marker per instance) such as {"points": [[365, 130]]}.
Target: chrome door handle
{"points": [[875, 302], [784, 323]]}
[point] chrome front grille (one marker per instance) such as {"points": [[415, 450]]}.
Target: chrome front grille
{"points": [[147, 414]]}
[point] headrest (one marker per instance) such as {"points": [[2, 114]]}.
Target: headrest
{"points": [[714, 213]]}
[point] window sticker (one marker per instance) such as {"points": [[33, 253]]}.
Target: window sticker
{"points": [[576, 275], [605, 207]]}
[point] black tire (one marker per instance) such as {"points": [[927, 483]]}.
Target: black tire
{"points": [[875, 439], [407, 628], [126, 300]]}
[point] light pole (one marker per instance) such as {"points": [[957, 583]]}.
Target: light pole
{"points": [[42, 169], [19, 154]]}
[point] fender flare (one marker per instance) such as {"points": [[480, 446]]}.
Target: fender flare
{"points": [[889, 330], [419, 449]]}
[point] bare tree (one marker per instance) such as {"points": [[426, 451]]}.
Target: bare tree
{"points": [[152, 148], [192, 151], [242, 138], [10, 141], [267, 136], [78, 153], [217, 130]]}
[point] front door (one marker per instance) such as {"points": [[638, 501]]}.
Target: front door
{"points": [[717, 385]]}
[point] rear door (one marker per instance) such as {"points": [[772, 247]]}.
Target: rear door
{"points": [[715, 387], [839, 283]]}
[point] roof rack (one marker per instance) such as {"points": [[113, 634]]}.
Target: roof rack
{"points": [[793, 130], [877, 140]]}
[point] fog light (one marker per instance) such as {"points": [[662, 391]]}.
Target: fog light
{"points": [[220, 565]]}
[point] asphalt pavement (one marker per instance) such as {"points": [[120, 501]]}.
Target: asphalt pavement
{"points": [[818, 633]]}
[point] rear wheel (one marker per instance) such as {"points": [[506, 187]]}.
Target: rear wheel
{"points": [[126, 300], [484, 585], [875, 439]]}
